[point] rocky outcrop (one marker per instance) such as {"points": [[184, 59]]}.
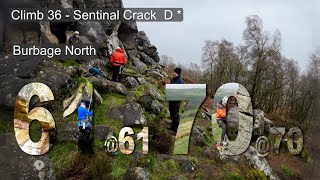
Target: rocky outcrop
{"points": [[67, 132], [259, 162], [261, 124], [17, 72], [155, 94], [156, 106], [16, 164], [105, 86], [139, 65], [131, 82], [198, 137], [102, 132], [144, 45], [145, 101], [137, 173], [130, 114]]}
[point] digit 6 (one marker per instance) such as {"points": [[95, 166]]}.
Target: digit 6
{"points": [[23, 118]]}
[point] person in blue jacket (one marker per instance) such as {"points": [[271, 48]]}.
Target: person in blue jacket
{"points": [[97, 71], [83, 117]]}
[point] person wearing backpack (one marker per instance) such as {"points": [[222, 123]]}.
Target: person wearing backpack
{"points": [[117, 61]]}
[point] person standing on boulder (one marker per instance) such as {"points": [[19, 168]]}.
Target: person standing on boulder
{"points": [[174, 106], [117, 61]]}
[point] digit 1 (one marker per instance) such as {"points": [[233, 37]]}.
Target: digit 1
{"points": [[195, 93], [23, 118], [243, 139], [144, 136]]}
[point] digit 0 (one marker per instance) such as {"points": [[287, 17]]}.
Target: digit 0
{"points": [[23, 118], [241, 143]]}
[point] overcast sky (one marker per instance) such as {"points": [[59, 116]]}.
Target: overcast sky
{"points": [[297, 20]]}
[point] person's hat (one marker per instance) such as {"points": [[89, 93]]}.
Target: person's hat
{"points": [[83, 103], [119, 48], [178, 71], [76, 32], [225, 100]]}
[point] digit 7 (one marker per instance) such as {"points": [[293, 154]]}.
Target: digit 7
{"points": [[195, 94]]}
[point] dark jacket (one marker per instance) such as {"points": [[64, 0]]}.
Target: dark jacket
{"points": [[74, 40], [176, 80]]}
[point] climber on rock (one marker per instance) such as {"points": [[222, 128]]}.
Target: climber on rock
{"points": [[75, 38], [221, 116], [97, 71], [117, 61], [83, 118], [174, 106]]}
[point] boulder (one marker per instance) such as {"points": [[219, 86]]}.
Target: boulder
{"points": [[94, 32], [16, 164], [136, 173], [261, 124], [130, 114], [102, 133], [147, 59], [258, 126], [156, 107], [131, 82], [198, 138], [142, 38], [67, 131], [97, 97], [156, 95], [102, 64], [150, 50], [146, 47], [142, 81], [73, 71], [139, 65], [145, 101], [188, 166], [259, 162], [16, 72], [103, 85], [156, 75], [46, 35]]}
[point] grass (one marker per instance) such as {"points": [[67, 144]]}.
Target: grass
{"points": [[62, 155], [234, 176], [6, 119], [110, 101], [286, 171], [164, 169], [184, 130], [120, 165], [35, 131], [67, 63], [140, 91]]}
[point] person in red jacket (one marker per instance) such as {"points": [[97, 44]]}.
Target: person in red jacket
{"points": [[117, 61], [221, 116]]}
